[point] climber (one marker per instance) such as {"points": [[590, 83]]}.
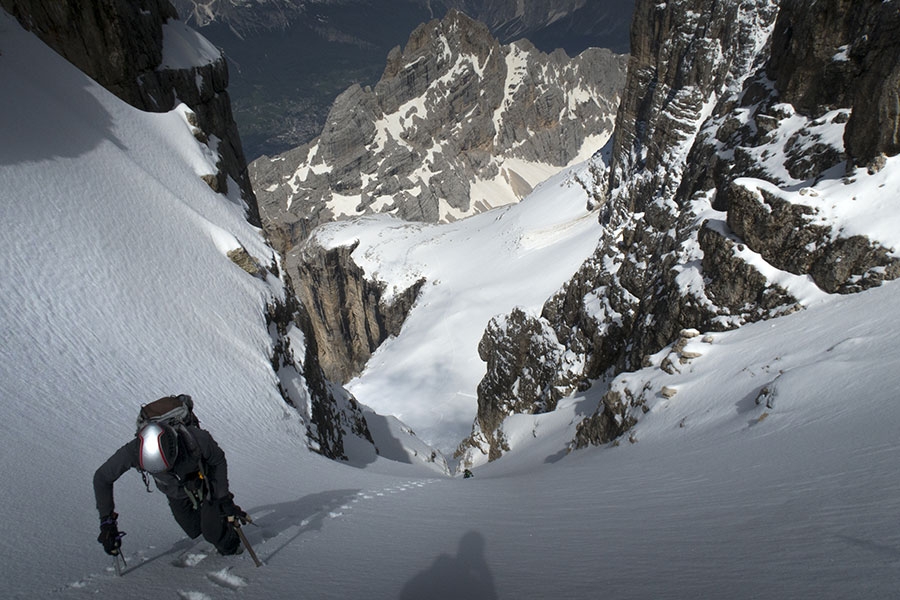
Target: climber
{"points": [[187, 466]]}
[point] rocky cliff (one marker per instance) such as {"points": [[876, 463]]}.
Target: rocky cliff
{"points": [[352, 317], [132, 49], [738, 121]]}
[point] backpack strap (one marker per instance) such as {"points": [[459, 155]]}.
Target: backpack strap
{"points": [[203, 491], [190, 442]]}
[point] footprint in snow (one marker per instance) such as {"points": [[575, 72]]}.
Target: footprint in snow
{"points": [[227, 579], [83, 583], [193, 595], [191, 559]]}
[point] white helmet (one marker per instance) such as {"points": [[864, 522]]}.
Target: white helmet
{"points": [[159, 447]]}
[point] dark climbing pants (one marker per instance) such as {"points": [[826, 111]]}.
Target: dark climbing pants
{"points": [[208, 520]]}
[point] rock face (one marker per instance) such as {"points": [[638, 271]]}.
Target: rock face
{"points": [[304, 53], [817, 50], [120, 44], [453, 112], [352, 317], [332, 413], [733, 114]]}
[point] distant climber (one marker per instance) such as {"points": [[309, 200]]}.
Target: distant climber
{"points": [[188, 467]]}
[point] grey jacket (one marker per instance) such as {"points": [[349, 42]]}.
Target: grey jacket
{"points": [[171, 482]]}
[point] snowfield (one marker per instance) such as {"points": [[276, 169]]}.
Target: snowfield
{"points": [[116, 289], [474, 269]]}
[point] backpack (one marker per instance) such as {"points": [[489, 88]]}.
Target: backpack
{"points": [[171, 410], [178, 413]]}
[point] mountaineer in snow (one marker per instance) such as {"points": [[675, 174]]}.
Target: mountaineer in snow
{"points": [[188, 467]]}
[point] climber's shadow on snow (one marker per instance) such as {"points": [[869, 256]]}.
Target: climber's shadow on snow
{"points": [[304, 514], [465, 575]]}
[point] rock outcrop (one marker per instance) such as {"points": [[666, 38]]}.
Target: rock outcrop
{"points": [[352, 315], [332, 413], [457, 124], [515, 383], [121, 44], [736, 118]]}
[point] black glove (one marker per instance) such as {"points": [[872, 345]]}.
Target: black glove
{"points": [[110, 536], [231, 511]]}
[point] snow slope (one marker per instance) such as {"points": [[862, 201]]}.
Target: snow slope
{"points": [[115, 289]]}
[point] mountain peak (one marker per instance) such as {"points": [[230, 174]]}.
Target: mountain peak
{"points": [[457, 124]]}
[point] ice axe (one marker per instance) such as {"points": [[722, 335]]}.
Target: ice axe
{"points": [[236, 523], [117, 554], [119, 563]]}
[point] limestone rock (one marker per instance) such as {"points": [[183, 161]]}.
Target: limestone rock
{"points": [[454, 107], [719, 91], [351, 317], [528, 372]]}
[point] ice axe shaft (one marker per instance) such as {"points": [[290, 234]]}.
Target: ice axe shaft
{"points": [[237, 527], [119, 563]]}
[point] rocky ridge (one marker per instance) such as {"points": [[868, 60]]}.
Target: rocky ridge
{"points": [[291, 58], [736, 119], [457, 124]]}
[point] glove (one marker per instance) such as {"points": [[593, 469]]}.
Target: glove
{"points": [[110, 536], [231, 511]]}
